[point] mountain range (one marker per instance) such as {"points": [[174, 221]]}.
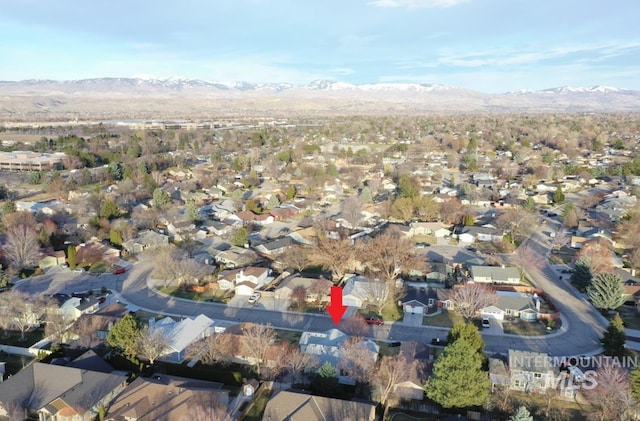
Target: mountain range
{"points": [[145, 98]]}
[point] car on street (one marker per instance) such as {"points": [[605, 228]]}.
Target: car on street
{"points": [[471, 249], [438, 342], [254, 298], [374, 321], [101, 300], [422, 245], [118, 271], [485, 323], [79, 270]]}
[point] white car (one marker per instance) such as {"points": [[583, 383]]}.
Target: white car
{"points": [[79, 270], [485, 322], [254, 298]]}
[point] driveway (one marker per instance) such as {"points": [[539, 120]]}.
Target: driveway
{"points": [[495, 327], [413, 319]]}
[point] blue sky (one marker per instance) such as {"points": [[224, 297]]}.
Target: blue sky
{"points": [[484, 45]]}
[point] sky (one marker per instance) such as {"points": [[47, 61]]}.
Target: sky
{"points": [[485, 45]]}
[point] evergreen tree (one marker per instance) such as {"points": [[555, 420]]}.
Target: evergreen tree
{"points": [[522, 414], [124, 335], [71, 256], [558, 196], [469, 333], [9, 207], [109, 209], [606, 291], [192, 212], [4, 278], [240, 237], [365, 195], [634, 378], [582, 274], [614, 338], [530, 204], [458, 380], [325, 383], [160, 198], [291, 192], [469, 220], [115, 237]]}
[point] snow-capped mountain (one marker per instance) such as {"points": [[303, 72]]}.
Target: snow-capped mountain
{"points": [[570, 90]]}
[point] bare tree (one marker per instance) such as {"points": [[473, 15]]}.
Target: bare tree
{"points": [[634, 258], [561, 239], [599, 252], [517, 223], [214, 349], [389, 254], [525, 258], [152, 343], [351, 210], [22, 247], [297, 362], [173, 265], [611, 396], [296, 257], [377, 293], [355, 360], [86, 328], [355, 326], [26, 311], [392, 371], [337, 256], [6, 313], [56, 325], [470, 298], [257, 340]]}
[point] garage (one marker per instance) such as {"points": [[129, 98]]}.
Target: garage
{"points": [[492, 312]]}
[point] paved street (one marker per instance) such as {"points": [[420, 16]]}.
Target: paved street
{"points": [[581, 332]]}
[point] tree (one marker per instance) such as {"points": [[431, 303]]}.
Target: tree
{"points": [[291, 192], [26, 310], [214, 349], [151, 343], [109, 209], [124, 335], [56, 324], [469, 299], [335, 255], [240, 237], [4, 279], [115, 237], [402, 208], [635, 383], [529, 204], [614, 338], [389, 254], [516, 223], [325, 382], [469, 333], [527, 258], [365, 195], [257, 339], [611, 396], [297, 362], [600, 253], [351, 210], [9, 207], [570, 215], [458, 380], [392, 371], [558, 196], [71, 256], [355, 360], [606, 291], [582, 274], [469, 220], [522, 414], [160, 198], [297, 257], [634, 258], [192, 212], [22, 248]]}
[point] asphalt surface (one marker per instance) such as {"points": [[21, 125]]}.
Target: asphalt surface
{"points": [[580, 334]]}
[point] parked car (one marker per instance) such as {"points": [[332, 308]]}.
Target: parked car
{"points": [[422, 245], [79, 270], [101, 300], [118, 271], [438, 342], [485, 322], [374, 321], [471, 249], [254, 298]]}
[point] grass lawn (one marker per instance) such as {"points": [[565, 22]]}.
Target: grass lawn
{"points": [[180, 293], [429, 239], [14, 338], [565, 254], [523, 328], [14, 363], [444, 319], [256, 411], [630, 317], [145, 315], [392, 312]]}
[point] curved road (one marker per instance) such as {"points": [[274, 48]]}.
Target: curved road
{"points": [[580, 335]]}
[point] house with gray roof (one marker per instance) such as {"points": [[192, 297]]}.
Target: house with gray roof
{"points": [[286, 405], [51, 392], [495, 275], [531, 371], [513, 304]]}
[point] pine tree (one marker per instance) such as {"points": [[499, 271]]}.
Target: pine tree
{"points": [[192, 212], [469, 333], [530, 204], [558, 196], [365, 195], [291, 192], [522, 414], [582, 274], [115, 237], [71, 256], [160, 198], [458, 379], [124, 335], [634, 378], [606, 291], [109, 209], [614, 338]]}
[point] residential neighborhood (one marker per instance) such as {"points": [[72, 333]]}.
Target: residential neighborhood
{"points": [[201, 270]]}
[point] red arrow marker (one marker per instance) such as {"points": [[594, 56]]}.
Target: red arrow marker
{"points": [[336, 309]]}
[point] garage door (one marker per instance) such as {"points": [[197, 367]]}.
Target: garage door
{"points": [[495, 314], [351, 302]]}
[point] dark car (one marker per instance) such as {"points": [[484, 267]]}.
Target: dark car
{"points": [[438, 342], [101, 300], [374, 321], [472, 249]]}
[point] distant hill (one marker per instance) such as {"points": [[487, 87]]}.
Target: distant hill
{"points": [[144, 98]]}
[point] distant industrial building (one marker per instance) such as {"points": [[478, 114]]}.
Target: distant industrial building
{"points": [[30, 161]]}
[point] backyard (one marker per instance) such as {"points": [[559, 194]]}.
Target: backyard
{"points": [[13, 338], [256, 410]]}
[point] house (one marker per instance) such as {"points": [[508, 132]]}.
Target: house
{"points": [[235, 257], [52, 258], [495, 274], [52, 392], [276, 247], [480, 233], [95, 250], [224, 209], [317, 288], [422, 300], [359, 289], [75, 307], [228, 279], [93, 328], [437, 229], [285, 405], [217, 227], [167, 398], [513, 304], [145, 240], [531, 371], [326, 346], [182, 334]]}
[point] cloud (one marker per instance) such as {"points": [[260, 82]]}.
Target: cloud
{"points": [[416, 4]]}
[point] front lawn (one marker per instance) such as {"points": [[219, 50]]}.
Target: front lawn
{"points": [[630, 317], [290, 336], [391, 312], [443, 319], [181, 293], [524, 328]]}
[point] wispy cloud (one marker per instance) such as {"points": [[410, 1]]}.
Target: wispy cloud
{"points": [[416, 4]]}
